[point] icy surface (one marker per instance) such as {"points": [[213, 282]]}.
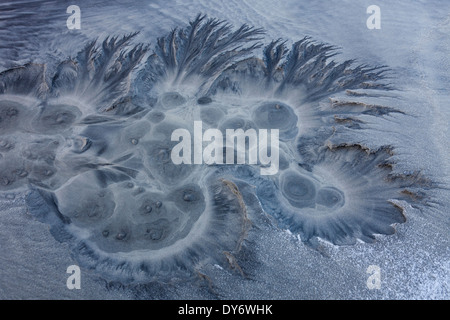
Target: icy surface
{"points": [[62, 146]]}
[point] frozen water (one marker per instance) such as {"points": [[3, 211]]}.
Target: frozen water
{"points": [[90, 137]]}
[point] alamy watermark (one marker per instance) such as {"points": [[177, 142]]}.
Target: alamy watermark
{"points": [[374, 280], [74, 20], [74, 280], [258, 150], [374, 20]]}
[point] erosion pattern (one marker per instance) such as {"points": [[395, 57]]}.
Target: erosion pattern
{"points": [[92, 143]]}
